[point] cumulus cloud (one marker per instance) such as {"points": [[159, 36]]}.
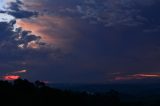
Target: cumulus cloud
{"points": [[19, 45], [15, 8], [12, 38]]}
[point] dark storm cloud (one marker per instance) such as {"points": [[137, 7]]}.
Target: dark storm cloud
{"points": [[21, 49], [129, 49], [15, 57], [115, 36], [9, 41], [116, 39]]}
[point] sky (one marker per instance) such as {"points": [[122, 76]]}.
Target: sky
{"points": [[80, 41]]}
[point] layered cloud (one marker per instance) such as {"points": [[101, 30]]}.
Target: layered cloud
{"points": [[19, 72], [137, 76]]}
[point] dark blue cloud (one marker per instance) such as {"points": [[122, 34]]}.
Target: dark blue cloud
{"points": [[15, 9], [15, 57]]}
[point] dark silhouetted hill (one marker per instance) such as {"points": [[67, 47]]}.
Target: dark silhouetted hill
{"points": [[21, 92], [24, 93]]}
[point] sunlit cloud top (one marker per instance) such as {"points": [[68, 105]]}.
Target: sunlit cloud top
{"points": [[4, 3], [6, 18]]}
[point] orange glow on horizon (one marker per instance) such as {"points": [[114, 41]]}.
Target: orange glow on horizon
{"points": [[11, 77], [147, 75], [137, 76]]}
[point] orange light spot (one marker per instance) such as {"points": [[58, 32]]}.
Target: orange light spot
{"points": [[33, 45], [11, 77]]}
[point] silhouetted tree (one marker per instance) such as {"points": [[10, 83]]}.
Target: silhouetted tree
{"points": [[21, 92], [40, 84]]}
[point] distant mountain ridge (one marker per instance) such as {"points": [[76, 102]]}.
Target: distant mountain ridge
{"points": [[135, 89]]}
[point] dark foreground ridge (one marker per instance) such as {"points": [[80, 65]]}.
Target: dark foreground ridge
{"points": [[21, 92]]}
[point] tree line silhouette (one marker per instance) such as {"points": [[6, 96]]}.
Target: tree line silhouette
{"points": [[21, 92]]}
